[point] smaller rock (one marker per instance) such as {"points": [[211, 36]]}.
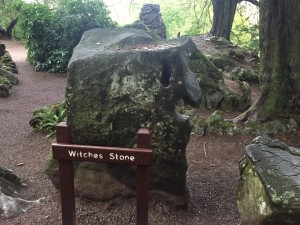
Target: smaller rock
{"points": [[10, 76], [217, 123], [7, 63], [242, 74], [4, 87], [2, 49], [20, 164], [150, 15], [219, 40], [14, 206], [9, 182], [269, 190], [222, 62], [237, 55]]}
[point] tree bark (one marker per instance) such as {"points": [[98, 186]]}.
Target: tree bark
{"points": [[10, 27], [2, 31], [254, 2], [279, 67], [8, 32], [224, 11]]}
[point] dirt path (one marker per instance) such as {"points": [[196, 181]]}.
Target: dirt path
{"points": [[19, 144]]}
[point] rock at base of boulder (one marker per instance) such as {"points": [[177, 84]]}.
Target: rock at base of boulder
{"points": [[4, 87], [9, 182], [10, 76], [269, 189]]}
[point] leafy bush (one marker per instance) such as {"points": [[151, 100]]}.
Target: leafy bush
{"points": [[245, 31], [246, 36], [47, 118], [50, 35], [187, 17]]}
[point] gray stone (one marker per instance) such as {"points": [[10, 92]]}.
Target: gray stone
{"points": [[215, 93], [2, 49], [223, 62], [9, 182], [14, 206], [6, 61], [10, 185], [242, 74], [269, 189], [10, 76], [4, 87], [239, 99], [120, 80], [150, 15]]}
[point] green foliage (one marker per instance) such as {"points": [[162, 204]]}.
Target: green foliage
{"points": [[245, 31], [47, 118], [246, 36], [189, 17], [50, 35], [4, 81], [10, 10]]}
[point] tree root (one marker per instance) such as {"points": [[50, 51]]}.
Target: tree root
{"points": [[249, 113]]}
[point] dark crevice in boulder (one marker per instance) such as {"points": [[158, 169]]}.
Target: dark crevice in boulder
{"points": [[166, 74]]}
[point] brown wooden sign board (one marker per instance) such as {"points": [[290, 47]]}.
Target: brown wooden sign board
{"points": [[66, 152], [133, 156]]}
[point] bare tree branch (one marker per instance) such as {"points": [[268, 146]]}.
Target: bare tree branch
{"points": [[11, 27]]}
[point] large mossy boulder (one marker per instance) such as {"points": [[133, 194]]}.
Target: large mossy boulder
{"points": [[269, 188], [120, 80]]}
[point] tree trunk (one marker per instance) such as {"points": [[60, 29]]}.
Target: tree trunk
{"points": [[224, 11], [10, 27], [2, 32], [8, 32], [280, 61]]}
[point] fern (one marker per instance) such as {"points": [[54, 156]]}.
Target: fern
{"points": [[47, 118]]}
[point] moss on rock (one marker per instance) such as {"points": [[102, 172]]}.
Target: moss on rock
{"points": [[10, 183], [4, 87], [120, 80], [268, 191], [223, 62], [242, 74]]}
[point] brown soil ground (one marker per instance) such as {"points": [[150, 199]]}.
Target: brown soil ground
{"points": [[212, 174]]}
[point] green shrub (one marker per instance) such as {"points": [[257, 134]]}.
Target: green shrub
{"points": [[51, 34], [47, 118], [246, 36]]}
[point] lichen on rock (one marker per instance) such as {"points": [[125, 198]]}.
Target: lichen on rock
{"points": [[269, 190], [120, 80], [4, 86]]}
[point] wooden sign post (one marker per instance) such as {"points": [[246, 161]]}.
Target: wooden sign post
{"points": [[66, 152]]}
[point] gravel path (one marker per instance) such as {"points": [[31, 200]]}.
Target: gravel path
{"points": [[20, 145]]}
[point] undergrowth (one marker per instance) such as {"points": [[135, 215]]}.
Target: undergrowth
{"points": [[47, 118]]}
